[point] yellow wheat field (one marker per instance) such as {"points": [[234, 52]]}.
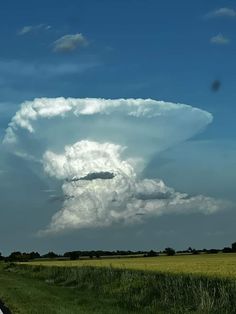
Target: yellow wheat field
{"points": [[220, 265]]}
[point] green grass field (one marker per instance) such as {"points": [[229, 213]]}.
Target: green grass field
{"points": [[176, 284], [220, 265], [26, 294]]}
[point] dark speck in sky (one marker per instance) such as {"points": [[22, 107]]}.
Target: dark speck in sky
{"points": [[216, 85]]}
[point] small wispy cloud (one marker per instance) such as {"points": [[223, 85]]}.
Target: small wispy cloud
{"points": [[32, 28], [222, 12], [69, 43], [220, 39]]}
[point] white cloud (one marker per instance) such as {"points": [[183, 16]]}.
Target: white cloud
{"points": [[220, 39], [222, 12], [98, 149], [142, 110], [123, 198], [32, 28], [70, 42]]}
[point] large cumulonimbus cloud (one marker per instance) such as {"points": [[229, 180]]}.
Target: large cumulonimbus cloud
{"points": [[98, 149]]}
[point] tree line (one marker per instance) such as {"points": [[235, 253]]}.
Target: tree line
{"points": [[75, 255]]}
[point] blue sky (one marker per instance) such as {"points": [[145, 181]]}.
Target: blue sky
{"points": [[164, 50]]}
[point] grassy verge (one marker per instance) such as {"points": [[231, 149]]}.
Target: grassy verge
{"points": [[28, 294], [130, 290]]}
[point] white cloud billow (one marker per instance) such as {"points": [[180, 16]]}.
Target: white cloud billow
{"points": [[124, 198], [176, 120], [98, 149]]}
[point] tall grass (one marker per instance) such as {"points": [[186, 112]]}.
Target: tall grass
{"points": [[143, 291]]}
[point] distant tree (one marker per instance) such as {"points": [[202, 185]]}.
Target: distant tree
{"points": [[233, 247], [227, 250], [34, 255], [74, 255], [169, 251], [151, 254], [213, 251], [195, 252], [50, 255], [1, 257], [18, 257], [98, 255], [15, 256]]}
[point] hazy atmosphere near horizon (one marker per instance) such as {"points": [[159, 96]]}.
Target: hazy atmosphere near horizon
{"points": [[117, 125]]}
